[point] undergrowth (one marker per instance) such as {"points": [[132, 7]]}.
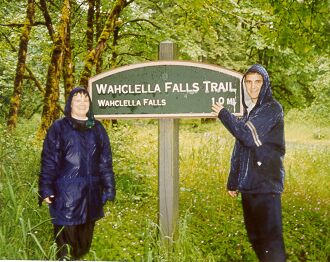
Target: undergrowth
{"points": [[211, 223]]}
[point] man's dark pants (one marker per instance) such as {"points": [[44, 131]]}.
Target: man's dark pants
{"points": [[263, 222]]}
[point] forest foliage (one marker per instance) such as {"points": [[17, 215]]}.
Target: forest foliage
{"points": [[48, 47]]}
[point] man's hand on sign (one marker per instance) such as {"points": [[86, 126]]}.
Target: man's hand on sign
{"points": [[216, 108]]}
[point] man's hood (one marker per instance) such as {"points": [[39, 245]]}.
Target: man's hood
{"points": [[67, 109], [265, 92]]}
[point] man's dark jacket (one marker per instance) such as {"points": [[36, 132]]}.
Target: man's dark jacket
{"points": [[76, 167], [257, 159]]}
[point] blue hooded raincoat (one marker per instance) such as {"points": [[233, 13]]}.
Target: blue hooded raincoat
{"points": [[76, 167], [257, 158]]}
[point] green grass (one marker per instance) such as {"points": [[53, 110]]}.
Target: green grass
{"points": [[211, 224]]}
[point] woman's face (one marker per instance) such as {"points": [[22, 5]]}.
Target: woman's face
{"points": [[79, 106]]}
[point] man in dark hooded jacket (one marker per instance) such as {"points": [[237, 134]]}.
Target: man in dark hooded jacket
{"points": [[76, 177], [257, 163]]}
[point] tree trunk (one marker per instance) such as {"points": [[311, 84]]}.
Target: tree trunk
{"points": [[109, 27], [68, 76], [50, 109], [35, 80], [114, 55], [48, 20], [20, 68], [113, 62], [90, 25], [99, 62]]}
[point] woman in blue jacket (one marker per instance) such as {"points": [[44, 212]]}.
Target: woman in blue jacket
{"points": [[76, 177], [257, 163]]}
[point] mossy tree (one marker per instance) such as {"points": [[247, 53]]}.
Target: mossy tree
{"points": [[109, 28], [21, 65], [50, 106]]}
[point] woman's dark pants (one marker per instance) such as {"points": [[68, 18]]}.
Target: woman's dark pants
{"points": [[73, 241], [263, 222]]}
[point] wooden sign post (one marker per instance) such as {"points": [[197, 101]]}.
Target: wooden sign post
{"points": [[168, 163]]}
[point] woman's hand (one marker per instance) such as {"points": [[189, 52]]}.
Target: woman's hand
{"points": [[49, 199], [233, 193], [216, 108]]}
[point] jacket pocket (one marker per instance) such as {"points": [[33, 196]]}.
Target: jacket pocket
{"points": [[267, 162], [71, 199]]}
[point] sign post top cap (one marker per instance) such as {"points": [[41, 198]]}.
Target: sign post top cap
{"points": [[167, 42]]}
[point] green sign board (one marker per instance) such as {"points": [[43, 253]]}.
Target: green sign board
{"points": [[164, 89]]}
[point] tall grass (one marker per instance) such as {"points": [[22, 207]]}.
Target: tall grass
{"points": [[24, 227], [211, 223]]}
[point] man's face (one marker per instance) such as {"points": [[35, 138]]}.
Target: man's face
{"points": [[253, 83], [79, 106]]}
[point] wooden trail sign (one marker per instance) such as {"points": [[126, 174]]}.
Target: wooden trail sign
{"points": [[164, 89]]}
